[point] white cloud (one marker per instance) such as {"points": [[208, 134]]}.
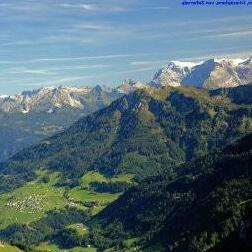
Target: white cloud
{"points": [[52, 70], [28, 71], [148, 63], [236, 34], [61, 38], [112, 56], [33, 71], [64, 81], [92, 26], [95, 7], [137, 70], [97, 57], [24, 6], [87, 7]]}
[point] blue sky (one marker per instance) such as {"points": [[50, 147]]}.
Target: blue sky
{"points": [[81, 42]]}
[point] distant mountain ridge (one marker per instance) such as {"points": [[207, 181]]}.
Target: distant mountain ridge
{"points": [[47, 99], [31, 116], [210, 74]]}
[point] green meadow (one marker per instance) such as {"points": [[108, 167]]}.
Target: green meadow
{"points": [[98, 177], [31, 202], [8, 248], [46, 247]]}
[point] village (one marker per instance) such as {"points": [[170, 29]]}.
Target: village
{"points": [[30, 204]]}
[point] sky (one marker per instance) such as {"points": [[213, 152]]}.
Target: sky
{"points": [[91, 42]]}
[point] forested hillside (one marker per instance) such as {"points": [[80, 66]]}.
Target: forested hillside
{"points": [[206, 207], [141, 133]]}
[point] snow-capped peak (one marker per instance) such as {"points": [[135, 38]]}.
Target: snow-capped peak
{"points": [[45, 99], [129, 85], [212, 73], [219, 60], [173, 73], [140, 84], [237, 62], [183, 64], [4, 96], [247, 61], [233, 61], [50, 87]]}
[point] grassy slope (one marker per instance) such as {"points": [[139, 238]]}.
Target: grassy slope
{"points": [[8, 248], [98, 177], [52, 197], [81, 193], [45, 247]]}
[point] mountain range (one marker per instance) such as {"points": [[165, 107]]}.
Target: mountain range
{"points": [[33, 115], [190, 190], [210, 74], [50, 99]]}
